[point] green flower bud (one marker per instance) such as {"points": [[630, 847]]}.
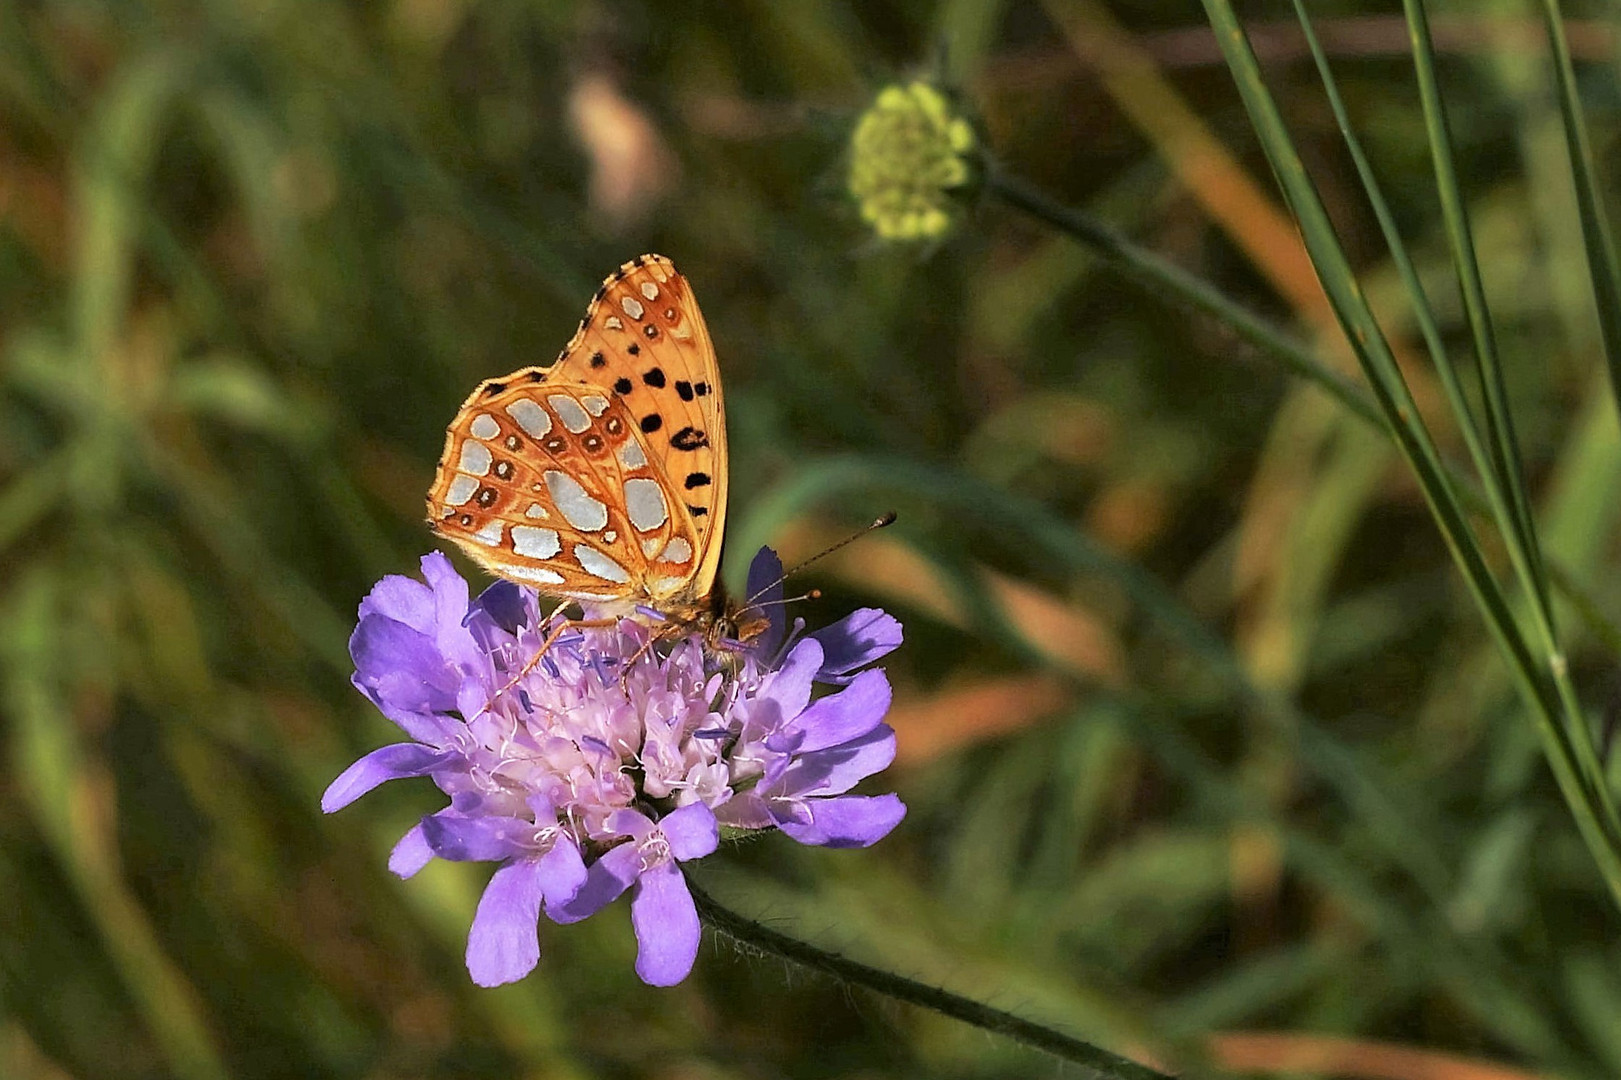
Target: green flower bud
{"points": [[908, 154]]}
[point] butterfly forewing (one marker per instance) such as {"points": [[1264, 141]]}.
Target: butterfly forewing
{"points": [[602, 477]]}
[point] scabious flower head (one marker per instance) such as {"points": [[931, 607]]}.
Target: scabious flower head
{"points": [[599, 769], [909, 154]]}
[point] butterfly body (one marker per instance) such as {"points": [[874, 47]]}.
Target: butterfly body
{"points": [[602, 478]]}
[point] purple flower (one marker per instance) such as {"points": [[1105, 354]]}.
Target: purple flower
{"points": [[596, 770]]}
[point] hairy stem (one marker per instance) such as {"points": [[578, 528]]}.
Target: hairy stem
{"points": [[1101, 1062]]}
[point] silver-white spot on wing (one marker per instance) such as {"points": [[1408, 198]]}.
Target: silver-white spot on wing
{"points": [[475, 458], [676, 551], [644, 502], [533, 543], [595, 404], [484, 427], [613, 322], [491, 533], [576, 504], [534, 420], [650, 290], [631, 456], [632, 306], [599, 565], [665, 585], [533, 573], [610, 536], [568, 410], [536, 511], [461, 489]]}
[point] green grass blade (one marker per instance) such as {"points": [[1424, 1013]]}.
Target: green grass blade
{"points": [[1591, 806], [1520, 532], [1504, 445], [1160, 274], [1601, 259], [1509, 502]]}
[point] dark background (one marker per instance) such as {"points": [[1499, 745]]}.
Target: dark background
{"points": [[253, 256]]}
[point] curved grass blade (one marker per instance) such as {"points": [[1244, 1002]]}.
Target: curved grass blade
{"points": [[1603, 269], [1590, 803]]}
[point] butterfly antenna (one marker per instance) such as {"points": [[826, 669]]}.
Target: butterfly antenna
{"points": [[883, 521], [813, 594]]}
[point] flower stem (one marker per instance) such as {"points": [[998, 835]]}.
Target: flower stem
{"points": [[1166, 278], [1162, 275], [724, 921]]}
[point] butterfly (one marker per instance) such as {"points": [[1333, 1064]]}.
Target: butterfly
{"points": [[602, 477]]}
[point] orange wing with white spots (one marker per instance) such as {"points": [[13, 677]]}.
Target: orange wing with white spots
{"points": [[602, 477]]}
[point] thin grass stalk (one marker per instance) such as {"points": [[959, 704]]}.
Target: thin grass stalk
{"points": [[1527, 561], [1592, 808], [1602, 267], [1518, 529], [1170, 280], [1504, 445], [1423, 313]]}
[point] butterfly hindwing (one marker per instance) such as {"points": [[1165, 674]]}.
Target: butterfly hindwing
{"points": [[602, 477], [644, 338]]}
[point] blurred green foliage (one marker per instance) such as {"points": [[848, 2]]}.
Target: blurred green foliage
{"points": [[1242, 756]]}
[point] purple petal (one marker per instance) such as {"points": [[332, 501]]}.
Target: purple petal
{"points": [[856, 640], [504, 944], [837, 718], [451, 605], [692, 831], [392, 762], [562, 871], [425, 727], [666, 924], [788, 691], [836, 770], [631, 823], [477, 839], [745, 811], [763, 571], [847, 821], [504, 603], [402, 599], [606, 879], [400, 668], [411, 854]]}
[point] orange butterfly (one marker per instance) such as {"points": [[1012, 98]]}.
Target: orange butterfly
{"points": [[602, 478]]}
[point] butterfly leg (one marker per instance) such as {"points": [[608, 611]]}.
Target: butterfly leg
{"points": [[545, 646], [657, 634]]}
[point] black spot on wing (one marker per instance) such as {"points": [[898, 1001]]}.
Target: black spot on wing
{"points": [[654, 377], [493, 388], [598, 360], [689, 438], [652, 422], [622, 385], [684, 388], [697, 479]]}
